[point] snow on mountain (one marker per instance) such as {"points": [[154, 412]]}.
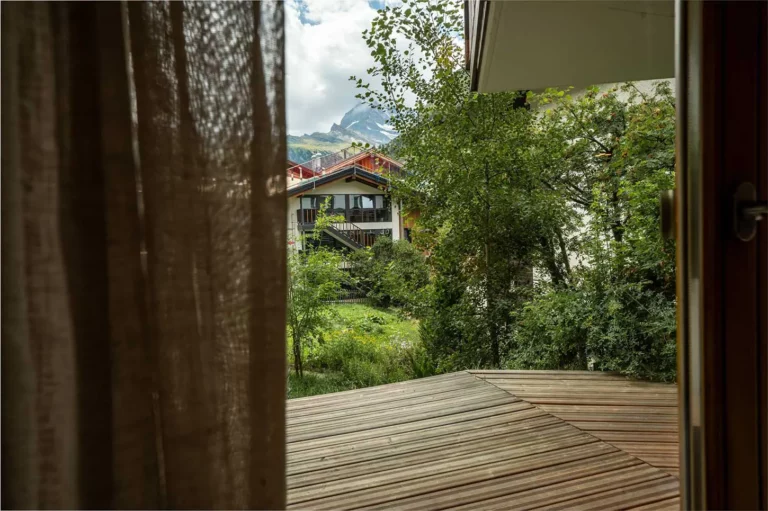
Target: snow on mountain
{"points": [[368, 124], [360, 124]]}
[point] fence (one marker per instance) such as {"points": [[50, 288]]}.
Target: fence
{"points": [[351, 296], [329, 160]]}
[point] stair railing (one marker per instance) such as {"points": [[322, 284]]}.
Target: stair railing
{"points": [[354, 232]]}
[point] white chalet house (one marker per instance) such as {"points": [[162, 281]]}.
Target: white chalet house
{"points": [[357, 182]]}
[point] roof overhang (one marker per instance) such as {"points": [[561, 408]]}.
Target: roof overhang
{"points": [[351, 173], [531, 45]]}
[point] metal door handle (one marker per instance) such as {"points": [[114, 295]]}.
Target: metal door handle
{"points": [[747, 211], [754, 209]]}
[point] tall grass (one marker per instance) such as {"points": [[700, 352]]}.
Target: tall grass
{"points": [[364, 346]]}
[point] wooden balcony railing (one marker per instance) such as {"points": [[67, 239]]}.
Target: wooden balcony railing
{"points": [[309, 216]]}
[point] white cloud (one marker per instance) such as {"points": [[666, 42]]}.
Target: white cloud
{"points": [[324, 46]]}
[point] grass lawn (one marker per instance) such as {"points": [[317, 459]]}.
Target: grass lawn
{"points": [[363, 346]]}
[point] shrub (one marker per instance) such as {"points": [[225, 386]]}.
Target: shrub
{"points": [[393, 273], [623, 327], [365, 347], [363, 358], [314, 278], [552, 332], [312, 384]]}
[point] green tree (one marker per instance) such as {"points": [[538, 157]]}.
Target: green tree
{"points": [[507, 181], [483, 211], [315, 277], [393, 273], [609, 154]]}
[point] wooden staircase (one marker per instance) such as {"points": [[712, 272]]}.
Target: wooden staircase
{"points": [[350, 235]]}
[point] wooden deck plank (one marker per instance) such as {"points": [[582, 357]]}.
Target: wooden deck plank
{"points": [[480, 391], [417, 442], [483, 472], [423, 426], [410, 386], [436, 393], [390, 438], [539, 375], [394, 418], [435, 455], [638, 494], [475, 495], [389, 395], [672, 504], [667, 392], [599, 399], [486, 440], [628, 436], [559, 374], [568, 380], [618, 411], [613, 477], [625, 426], [366, 409], [418, 468], [391, 398], [615, 418]]}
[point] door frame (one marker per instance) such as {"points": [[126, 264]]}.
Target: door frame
{"points": [[722, 306]]}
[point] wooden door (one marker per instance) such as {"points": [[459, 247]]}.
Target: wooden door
{"points": [[722, 280]]}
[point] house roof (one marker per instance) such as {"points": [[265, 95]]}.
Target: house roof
{"points": [[360, 159], [299, 170], [350, 172], [366, 159], [477, 440]]}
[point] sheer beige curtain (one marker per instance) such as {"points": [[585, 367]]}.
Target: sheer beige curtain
{"points": [[143, 247]]}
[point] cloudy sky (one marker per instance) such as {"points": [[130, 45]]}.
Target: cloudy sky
{"points": [[324, 47]]}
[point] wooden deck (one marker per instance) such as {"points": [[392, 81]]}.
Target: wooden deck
{"points": [[485, 440], [637, 417]]}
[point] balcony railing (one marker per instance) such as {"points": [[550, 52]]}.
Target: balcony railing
{"points": [[318, 165], [309, 216], [323, 162]]}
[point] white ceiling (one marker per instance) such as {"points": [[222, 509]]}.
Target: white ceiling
{"points": [[531, 45]]}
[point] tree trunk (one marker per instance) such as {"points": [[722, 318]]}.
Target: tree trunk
{"points": [[493, 332], [563, 252], [297, 366], [616, 225], [550, 261]]}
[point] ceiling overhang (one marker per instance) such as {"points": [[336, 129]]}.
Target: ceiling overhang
{"points": [[532, 45]]}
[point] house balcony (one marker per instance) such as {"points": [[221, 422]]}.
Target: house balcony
{"points": [[308, 217], [487, 440]]}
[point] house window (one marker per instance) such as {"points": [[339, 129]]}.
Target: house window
{"points": [[310, 204], [355, 208], [339, 204], [308, 211], [362, 201], [369, 208]]}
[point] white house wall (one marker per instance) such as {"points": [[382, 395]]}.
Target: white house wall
{"points": [[342, 187]]}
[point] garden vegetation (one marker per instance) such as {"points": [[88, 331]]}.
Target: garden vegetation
{"points": [[564, 183]]}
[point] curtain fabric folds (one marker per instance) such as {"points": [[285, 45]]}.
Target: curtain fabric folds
{"points": [[143, 276]]}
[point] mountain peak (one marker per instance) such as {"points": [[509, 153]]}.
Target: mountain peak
{"points": [[360, 124]]}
